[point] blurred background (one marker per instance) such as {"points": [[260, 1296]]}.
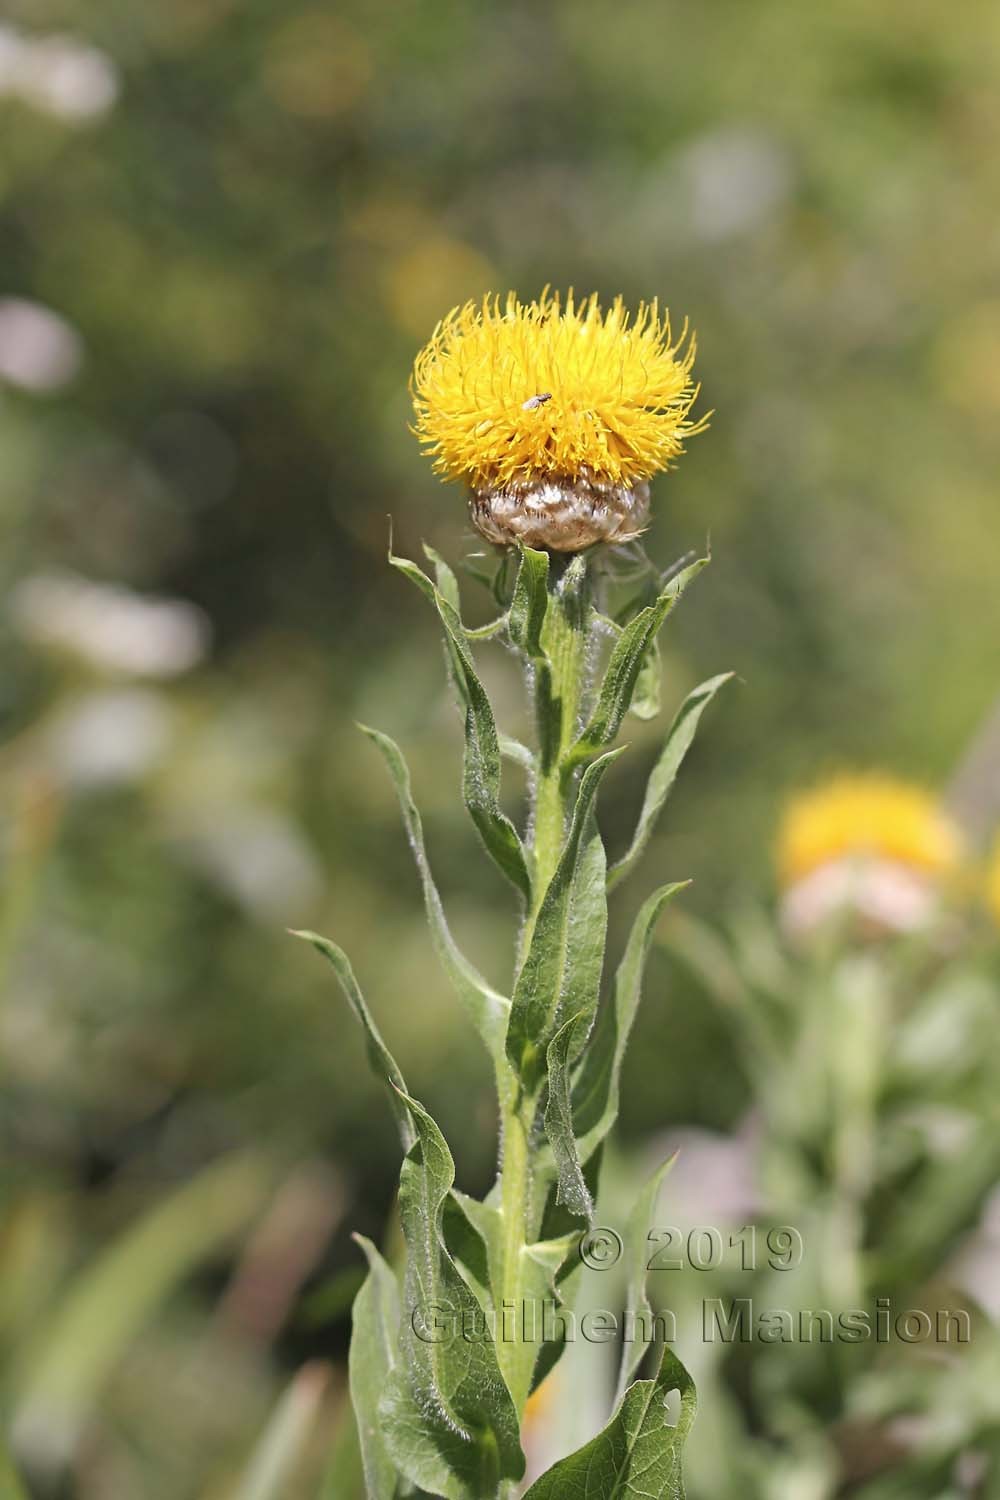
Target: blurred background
{"points": [[225, 230]]}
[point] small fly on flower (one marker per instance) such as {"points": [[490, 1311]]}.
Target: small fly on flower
{"points": [[534, 402]]}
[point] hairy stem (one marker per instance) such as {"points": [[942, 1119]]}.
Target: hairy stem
{"points": [[565, 640], [558, 706]]}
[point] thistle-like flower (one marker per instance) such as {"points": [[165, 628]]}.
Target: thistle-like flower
{"points": [[555, 415], [881, 846]]}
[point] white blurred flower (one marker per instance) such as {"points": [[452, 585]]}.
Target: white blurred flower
{"points": [[258, 857], [106, 738], [110, 627], [58, 73], [976, 1267], [736, 179], [39, 350], [713, 1180], [721, 185]]}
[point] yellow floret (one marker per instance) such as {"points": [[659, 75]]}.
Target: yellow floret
{"points": [[512, 393]]}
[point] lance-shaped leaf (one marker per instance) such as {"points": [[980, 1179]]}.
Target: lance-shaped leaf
{"points": [[549, 1266], [478, 1246], [447, 583], [448, 586], [561, 973], [372, 1357], [559, 1228], [481, 770], [383, 1064], [596, 1089], [646, 698], [638, 1311], [530, 602], [280, 1451], [528, 609], [448, 1419], [571, 1188], [623, 668], [711, 959], [513, 750], [679, 737], [472, 1231], [487, 1009], [638, 1455], [84, 1337]]}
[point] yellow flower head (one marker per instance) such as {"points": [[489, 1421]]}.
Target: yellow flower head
{"points": [[993, 882], [872, 815], [558, 404]]}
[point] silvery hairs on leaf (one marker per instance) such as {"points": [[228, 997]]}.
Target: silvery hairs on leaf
{"points": [[449, 1420], [638, 1454]]}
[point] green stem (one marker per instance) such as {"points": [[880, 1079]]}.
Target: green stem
{"points": [[558, 706], [564, 637]]}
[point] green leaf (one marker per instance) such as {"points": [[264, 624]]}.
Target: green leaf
{"points": [[416, 575], [481, 771], [627, 656], [487, 1009], [561, 1237], [500, 582], [646, 698], [596, 1090], [710, 958], [280, 1452], [472, 1233], [530, 602], [447, 583], [449, 1422], [561, 973], [638, 1310], [488, 631], [679, 737], [374, 1336], [109, 1302], [571, 1190], [512, 749], [11, 1486], [638, 1454], [477, 1245], [943, 1202], [343, 1474], [381, 1060]]}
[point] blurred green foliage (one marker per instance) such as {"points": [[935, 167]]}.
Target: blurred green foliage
{"points": [[246, 218]]}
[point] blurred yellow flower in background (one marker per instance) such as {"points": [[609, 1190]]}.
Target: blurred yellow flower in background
{"points": [[872, 814], [555, 413], [424, 271], [993, 882], [540, 1424], [871, 843]]}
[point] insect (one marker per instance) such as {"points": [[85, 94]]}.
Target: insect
{"points": [[534, 402]]}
